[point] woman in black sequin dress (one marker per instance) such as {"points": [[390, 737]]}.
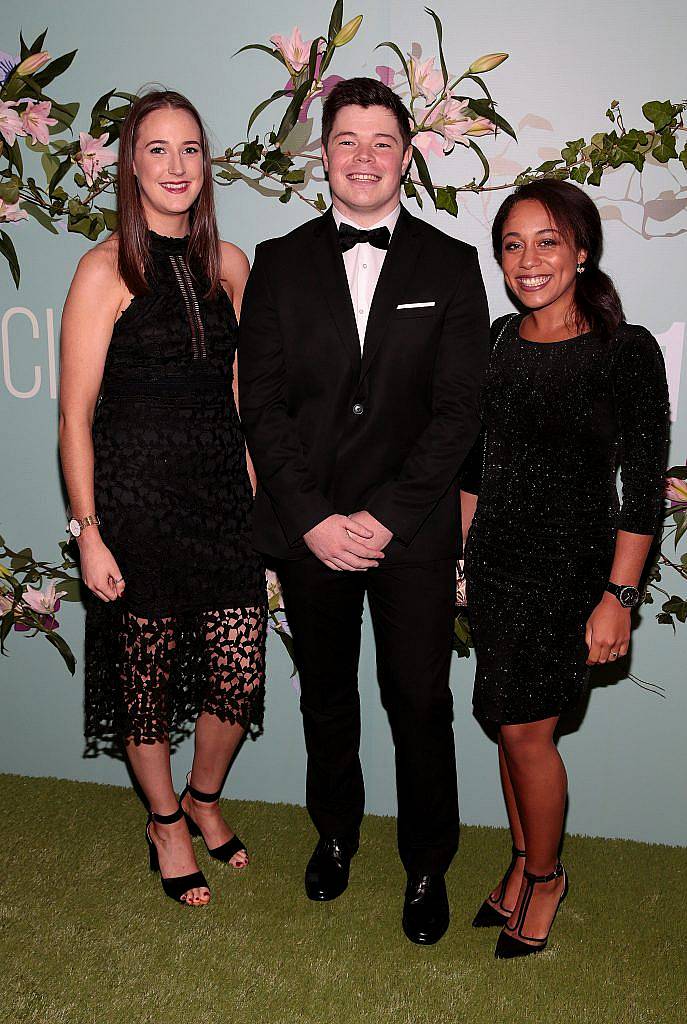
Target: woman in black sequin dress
{"points": [[151, 444], [572, 391]]}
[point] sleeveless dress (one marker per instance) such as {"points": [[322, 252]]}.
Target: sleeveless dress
{"points": [[558, 418], [173, 494]]}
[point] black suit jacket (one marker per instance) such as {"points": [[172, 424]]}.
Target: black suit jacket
{"points": [[329, 431]]}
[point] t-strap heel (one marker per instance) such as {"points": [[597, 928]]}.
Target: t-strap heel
{"points": [[488, 916], [510, 942]]}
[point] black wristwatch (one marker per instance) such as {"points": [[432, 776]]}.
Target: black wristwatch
{"points": [[628, 596]]}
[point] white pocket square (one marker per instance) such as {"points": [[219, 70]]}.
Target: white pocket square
{"points": [[415, 305]]}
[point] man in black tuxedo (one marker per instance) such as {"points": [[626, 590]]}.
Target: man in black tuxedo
{"points": [[363, 345]]}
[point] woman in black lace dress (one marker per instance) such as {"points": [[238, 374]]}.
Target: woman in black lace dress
{"points": [[553, 561], [155, 466]]}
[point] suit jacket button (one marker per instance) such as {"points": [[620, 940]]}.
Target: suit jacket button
{"points": [[358, 409]]}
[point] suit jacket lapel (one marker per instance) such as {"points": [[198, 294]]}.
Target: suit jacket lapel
{"points": [[329, 266], [397, 270]]}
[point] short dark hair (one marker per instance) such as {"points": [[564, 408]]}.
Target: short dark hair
{"points": [[574, 213], [364, 92]]}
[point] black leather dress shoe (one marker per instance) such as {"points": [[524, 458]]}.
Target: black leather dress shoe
{"points": [[326, 875], [425, 910]]}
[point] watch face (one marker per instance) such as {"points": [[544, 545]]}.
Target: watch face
{"points": [[628, 597], [75, 527]]}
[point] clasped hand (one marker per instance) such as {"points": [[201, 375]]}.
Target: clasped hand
{"points": [[353, 543], [608, 631]]}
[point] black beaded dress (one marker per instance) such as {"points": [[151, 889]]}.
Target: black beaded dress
{"points": [[173, 494], [558, 418]]}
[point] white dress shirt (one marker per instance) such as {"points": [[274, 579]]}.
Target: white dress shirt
{"points": [[363, 264]]}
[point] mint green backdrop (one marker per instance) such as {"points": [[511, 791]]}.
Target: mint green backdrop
{"points": [[627, 758]]}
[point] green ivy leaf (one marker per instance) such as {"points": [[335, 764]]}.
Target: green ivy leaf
{"points": [[9, 190], [579, 174], [596, 175], [110, 218], [572, 151], [320, 203], [411, 192], [666, 149], [294, 177], [286, 195], [251, 153], [659, 113], [446, 200]]}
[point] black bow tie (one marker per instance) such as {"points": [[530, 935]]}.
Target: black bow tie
{"points": [[350, 236]]}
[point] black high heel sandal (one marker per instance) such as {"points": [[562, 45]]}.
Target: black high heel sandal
{"points": [[227, 850], [488, 916], [177, 886], [508, 946]]}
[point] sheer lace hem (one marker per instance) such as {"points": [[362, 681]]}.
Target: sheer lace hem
{"points": [[148, 679]]}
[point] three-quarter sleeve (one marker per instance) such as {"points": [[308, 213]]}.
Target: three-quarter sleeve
{"points": [[471, 470], [643, 412]]}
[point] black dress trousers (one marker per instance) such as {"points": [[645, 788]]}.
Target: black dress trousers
{"points": [[412, 609]]}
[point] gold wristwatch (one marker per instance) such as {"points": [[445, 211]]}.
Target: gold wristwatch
{"points": [[77, 526]]}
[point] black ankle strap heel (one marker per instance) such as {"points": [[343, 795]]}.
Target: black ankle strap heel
{"points": [[512, 942], [488, 916], [227, 850], [178, 886]]}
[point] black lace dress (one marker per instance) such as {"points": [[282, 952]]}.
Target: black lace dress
{"points": [[558, 418], [173, 494]]}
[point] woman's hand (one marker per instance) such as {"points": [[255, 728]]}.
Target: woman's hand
{"points": [[99, 569], [608, 631]]}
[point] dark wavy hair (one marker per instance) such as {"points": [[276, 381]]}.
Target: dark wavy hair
{"points": [[134, 259], [364, 92], [597, 305]]}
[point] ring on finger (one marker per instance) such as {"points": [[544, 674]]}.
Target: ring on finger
{"points": [[614, 654]]}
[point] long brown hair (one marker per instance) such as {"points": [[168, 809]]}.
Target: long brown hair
{"points": [[134, 260], [596, 301]]}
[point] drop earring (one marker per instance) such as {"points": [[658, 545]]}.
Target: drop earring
{"points": [[580, 268]]}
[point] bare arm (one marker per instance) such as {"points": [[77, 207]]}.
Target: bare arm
{"points": [[468, 504], [94, 299]]}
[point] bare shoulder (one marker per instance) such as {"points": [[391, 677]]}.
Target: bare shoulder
{"points": [[98, 266], [235, 265]]}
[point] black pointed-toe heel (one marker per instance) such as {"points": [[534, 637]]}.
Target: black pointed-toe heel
{"points": [[488, 916], [510, 942], [177, 886], [227, 850]]}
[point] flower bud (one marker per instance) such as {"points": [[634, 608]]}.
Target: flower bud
{"points": [[345, 34], [487, 63], [34, 63]]}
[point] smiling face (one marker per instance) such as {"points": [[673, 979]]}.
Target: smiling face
{"points": [[168, 163], [539, 263], [365, 161]]}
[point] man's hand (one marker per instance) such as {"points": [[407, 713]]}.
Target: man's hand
{"points": [[380, 536], [337, 541]]}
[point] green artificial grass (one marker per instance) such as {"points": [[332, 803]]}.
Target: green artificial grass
{"points": [[87, 936]]}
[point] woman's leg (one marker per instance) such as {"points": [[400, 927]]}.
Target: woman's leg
{"points": [[149, 646], [236, 657], [539, 782], [508, 898], [216, 743]]}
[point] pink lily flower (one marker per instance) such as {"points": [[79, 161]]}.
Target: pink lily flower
{"points": [[10, 212], [10, 122], [34, 63], [429, 143], [93, 155], [449, 119], [295, 50], [425, 80], [35, 120], [45, 601], [676, 490]]}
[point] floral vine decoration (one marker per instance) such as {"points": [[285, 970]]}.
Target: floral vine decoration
{"points": [[30, 596], [674, 607], [62, 181]]}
